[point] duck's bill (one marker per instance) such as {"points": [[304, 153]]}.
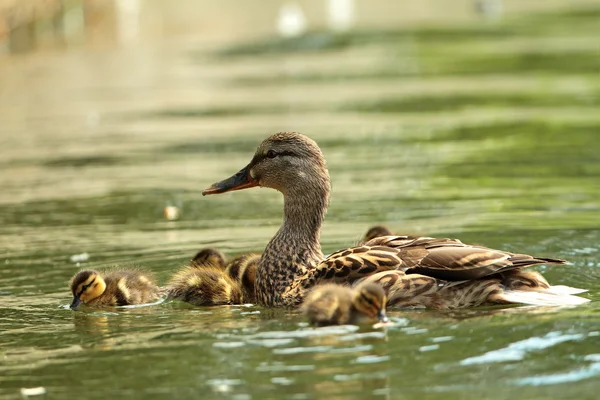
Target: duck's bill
{"points": [[382, 317], [383, 320], [76, 301], [239, 181]]}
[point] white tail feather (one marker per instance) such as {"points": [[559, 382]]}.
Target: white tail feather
{"points": [[542, 299], [562, 289]]}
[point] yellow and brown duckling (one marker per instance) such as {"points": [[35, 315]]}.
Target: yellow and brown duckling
{"points": [[209, 256], [119, 287], [205, 285], [332, 304], [243, 270], [293, 262]]}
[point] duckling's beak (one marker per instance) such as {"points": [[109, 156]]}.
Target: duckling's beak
{"points": [[76, 302], [241, 180], [382, 317]]}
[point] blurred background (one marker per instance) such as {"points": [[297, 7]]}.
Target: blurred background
{"points": [[476, 119]]}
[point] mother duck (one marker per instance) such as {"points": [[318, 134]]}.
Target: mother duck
{"points": [[414, 271]]}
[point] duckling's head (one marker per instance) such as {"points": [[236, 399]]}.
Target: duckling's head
{"points": [[369, 299], [286, 161], [86, 285], [209, 256], [376, 231]]}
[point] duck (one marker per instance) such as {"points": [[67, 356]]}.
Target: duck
{"points": [[293, 262], [333, 304], [118, 287]]}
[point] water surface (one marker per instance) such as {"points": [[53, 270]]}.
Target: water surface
{"points": [[486, 132]]}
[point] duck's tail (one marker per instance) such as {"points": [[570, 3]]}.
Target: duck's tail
{"points": [[546, 298], [564, 290]]}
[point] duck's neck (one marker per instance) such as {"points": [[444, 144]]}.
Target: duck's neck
{"points": [[296, 247], [303, 215]]}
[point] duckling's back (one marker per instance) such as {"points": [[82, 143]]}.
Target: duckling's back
{"points": [[328, 304], [243, 270], [127, 287], [204, 286]]}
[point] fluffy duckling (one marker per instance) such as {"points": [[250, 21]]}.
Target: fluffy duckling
{"points": [[206, 286], [208, 256], [332, 304], [113, 288], [243, 270]]}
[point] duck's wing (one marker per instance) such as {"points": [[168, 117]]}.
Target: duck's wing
{"points": [[415, 290], [348, 265], [450, 259]]}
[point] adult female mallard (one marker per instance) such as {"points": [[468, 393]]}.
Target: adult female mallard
{"points": [[293, 261]]}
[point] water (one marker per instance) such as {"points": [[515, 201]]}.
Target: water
{"points": [[486, 132]]}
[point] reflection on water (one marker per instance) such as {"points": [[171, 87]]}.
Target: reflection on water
{"points": [[483, 131]]}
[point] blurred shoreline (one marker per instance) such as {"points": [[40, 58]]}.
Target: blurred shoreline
{"points": [[29, 25]]}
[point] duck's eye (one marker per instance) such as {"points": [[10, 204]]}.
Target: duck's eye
{"points": [[271, 154]]}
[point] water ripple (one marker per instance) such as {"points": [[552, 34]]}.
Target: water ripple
{"points": [[516, 351], [566, 377]]}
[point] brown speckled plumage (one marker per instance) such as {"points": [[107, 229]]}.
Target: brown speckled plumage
{"points": [[293, 262]]}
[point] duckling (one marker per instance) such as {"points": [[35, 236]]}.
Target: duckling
{"points": [[375, 231], [210, 256], [206, 286], [113, 288], [332, 304], [243, 270]]}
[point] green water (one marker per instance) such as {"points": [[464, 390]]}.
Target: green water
{"points": [[487, 132]]}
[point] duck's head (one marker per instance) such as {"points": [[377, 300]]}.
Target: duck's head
{"points": [[286, 161], [86, 285], [209, 256], [369, 299]]}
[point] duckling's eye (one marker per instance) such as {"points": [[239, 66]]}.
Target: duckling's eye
{"points": [[271, 154], [84, 288]]}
